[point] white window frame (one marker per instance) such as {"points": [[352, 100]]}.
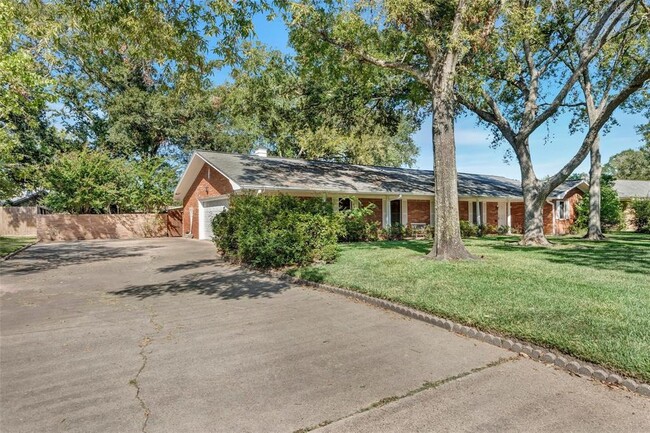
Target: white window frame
{"points": [[562, 210]]}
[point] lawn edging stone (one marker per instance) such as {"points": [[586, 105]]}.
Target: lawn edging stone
{"points": [[539, 354]]}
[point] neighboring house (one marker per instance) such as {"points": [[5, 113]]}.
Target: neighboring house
{"points": [[629, 190], [28, 199], [400, 195]]}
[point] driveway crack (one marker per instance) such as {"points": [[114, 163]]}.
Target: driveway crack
{"points": [[425, 386], [144, 343]]}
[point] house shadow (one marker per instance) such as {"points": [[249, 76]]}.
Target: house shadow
{"points": [[37, 258], [229, 284]]}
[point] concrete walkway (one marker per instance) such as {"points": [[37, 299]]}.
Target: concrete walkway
{"points": [[159, 336]]}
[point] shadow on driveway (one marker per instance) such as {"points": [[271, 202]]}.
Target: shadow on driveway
{"points": [[220, 282], [43, 257]]}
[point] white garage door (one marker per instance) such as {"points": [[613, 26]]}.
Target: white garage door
{"points": [[208, 209]]}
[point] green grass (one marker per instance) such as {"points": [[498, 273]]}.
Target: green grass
{"points": [[590, 300], [11, 244]]}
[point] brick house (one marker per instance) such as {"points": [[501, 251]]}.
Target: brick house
{"points": [[628, 191], [400, 195]]}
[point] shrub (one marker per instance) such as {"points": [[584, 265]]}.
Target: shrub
{"points": [[503, 230], [467, 229], [355, 224], [611, 214], [641, 215], [396, 232], [490, 229], [274, 231]]}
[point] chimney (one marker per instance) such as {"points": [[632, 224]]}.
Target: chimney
{"points": [[261, 152]]}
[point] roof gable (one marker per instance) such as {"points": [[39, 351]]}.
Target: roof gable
{"points": [[191, 172]]}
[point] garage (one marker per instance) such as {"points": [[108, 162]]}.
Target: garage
{"points": [[207, 210]]}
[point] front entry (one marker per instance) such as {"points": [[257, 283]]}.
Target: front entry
{"points": [[395, 212]]}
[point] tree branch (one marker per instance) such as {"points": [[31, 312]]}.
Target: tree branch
{"points": [[594, 129]]}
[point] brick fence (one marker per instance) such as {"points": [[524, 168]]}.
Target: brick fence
{"points": [[64, 227], [18, 221]]}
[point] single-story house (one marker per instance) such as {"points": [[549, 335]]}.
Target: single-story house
{"points": [[629, 190], [400, 195]]}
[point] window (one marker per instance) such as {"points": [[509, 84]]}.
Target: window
{"points": [[345, 204], [562, 210]]}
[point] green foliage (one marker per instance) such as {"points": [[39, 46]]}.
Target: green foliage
{"points": [[396, 232], [92, 181], [641, 215], [630, 164], [271, 231], [356, 226], [611, 214], [349, 112], [468, 230]]}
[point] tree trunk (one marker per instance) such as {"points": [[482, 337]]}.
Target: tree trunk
{"points": [[534, 199], [534, 220], [595, 233], [447, 242]]}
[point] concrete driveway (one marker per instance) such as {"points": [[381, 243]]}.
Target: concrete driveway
{"points": [[160, 336]]}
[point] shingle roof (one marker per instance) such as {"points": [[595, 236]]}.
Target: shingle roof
{"points": [[632, 188], [567, 186], [254, 172]]}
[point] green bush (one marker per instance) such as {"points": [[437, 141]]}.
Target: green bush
{"points": [[355, 224], [468, 230], [611, 214], [396, 232], [275, 231], [641, 215], [503, 230]]}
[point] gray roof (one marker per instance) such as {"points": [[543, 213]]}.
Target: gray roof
{"points": [[632, 188], [560, 191], [255, 172]]}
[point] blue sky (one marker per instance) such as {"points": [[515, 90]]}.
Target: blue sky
{"points": [[551, 147]]}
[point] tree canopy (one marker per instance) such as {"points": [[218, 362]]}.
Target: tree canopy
{"points": [[630, 164]]}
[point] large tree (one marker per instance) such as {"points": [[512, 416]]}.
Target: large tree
{"points": [[521, 81], [27, 141], [338, 111], [426, 41], [615, 65], [630, 164]]}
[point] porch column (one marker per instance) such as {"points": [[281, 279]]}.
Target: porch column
{"points": [[386, 211], [553, 212], [509, 218]]}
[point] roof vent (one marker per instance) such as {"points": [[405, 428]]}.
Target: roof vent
{"points": [[261, 152]]}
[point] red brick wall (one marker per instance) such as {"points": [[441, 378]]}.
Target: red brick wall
{"points": [[208, 183], [517, 217], [463, 210], [548, 218], [377, 211], [573, 197], [492, 217], [65, 227], [419, 211]]}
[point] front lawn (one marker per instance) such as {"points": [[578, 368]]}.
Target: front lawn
{"points": [[11, 244], [590, 300]]}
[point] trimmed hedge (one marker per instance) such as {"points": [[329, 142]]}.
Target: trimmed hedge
{"points": [[271, 231]]}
